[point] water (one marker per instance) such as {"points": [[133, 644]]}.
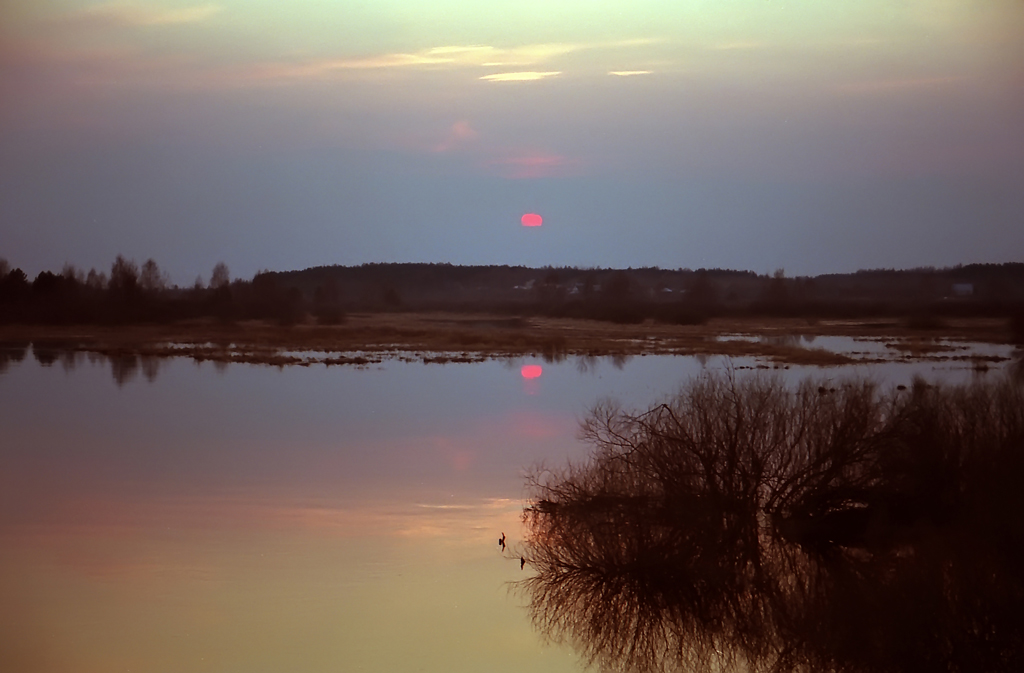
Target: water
{"points": [[168, 516], [881, 349]]}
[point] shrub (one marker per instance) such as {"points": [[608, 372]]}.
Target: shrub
{"points": [[744, 525]]}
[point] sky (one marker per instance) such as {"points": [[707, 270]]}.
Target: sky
{"points": [[811, 136]]}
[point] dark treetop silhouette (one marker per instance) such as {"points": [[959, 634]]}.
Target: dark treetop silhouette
{"points": [[747, 526], [326, 295]]}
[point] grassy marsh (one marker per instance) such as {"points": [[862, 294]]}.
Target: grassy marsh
{"points": [[372, 337]]}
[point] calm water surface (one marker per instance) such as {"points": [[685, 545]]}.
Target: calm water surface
{"points": [[180, 517]]}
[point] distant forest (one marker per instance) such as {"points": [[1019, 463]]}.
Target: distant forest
{"points": [[325, 295]]}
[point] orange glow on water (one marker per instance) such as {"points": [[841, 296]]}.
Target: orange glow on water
{"points": [[532, 371], [532, 220]]}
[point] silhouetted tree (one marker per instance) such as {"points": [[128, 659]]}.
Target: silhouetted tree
{"points": [[46, 283], [71, 273], [220, 277], [390, 297], [151, 279], [96, 280], [14, 290], [124, 277], [746, 526], [327, 303], [618, 286]]}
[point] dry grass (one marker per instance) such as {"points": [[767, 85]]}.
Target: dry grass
{"points": [[367, 338]]}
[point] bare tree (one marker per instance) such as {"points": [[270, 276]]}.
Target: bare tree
{"points": [[152, 278], [96, 279], [220, 276], [124, 276], [747, 526], [70, 272]]}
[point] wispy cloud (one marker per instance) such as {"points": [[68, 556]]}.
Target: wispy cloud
{"points": [[137, 14], [526, 76], [325, 68], [459, 134], [452, 56], [629, 73], [738, 45], [534, 164], [446, 56], [883, 86], [531, 54]]}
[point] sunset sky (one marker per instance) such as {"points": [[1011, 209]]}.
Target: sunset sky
{"points": [[814, 136]]}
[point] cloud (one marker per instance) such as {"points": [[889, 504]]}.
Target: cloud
{"points": [[628, 73], [324, 68], [738, 46], [459, 134], [535, 164], [527, 76], [135, 14], [447, 56], [453, 56], [883, 86], [533, 53]]}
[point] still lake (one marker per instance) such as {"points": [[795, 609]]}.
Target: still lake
{"points": [[185, 517]]}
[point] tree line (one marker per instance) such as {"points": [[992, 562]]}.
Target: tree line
{"points": [[130, 293], [134, 294]]}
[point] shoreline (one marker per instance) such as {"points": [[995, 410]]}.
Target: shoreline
{"points": [[455, 337]]}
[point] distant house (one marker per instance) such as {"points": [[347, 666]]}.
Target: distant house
{"points": [[963, 289]]}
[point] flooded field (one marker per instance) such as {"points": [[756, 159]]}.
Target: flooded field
{"points": [[161, 514]]}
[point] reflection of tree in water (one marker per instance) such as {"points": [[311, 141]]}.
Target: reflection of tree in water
{"points": [[123, 368], [12, 351], [49, 351], [747, 526], [69, 359], [553, 353], [619, 360], [150, 367], [781, 339], [45, 354], [588, 363], [1017, 366]]}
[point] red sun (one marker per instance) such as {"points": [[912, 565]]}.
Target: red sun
{"points": [[532, 220], [531, 371]]}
